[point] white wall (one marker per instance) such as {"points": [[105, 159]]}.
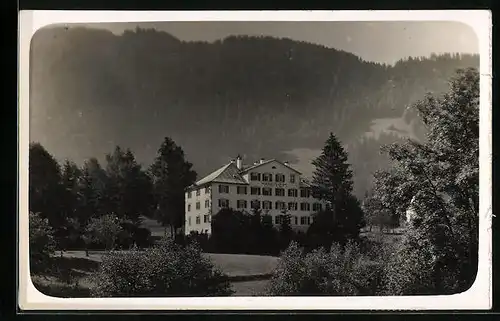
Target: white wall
{"points": [[193, 213], [233, 197]]}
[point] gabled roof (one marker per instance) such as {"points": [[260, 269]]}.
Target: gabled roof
{"points": [[267, 162], [226, 174]]}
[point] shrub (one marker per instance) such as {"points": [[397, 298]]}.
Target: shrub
{"points": [[104, 230], [42, 243], [340, 271], [132, 234], [166, 269]]}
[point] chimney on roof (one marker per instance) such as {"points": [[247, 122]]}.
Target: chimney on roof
{"points": [[238, 161], [286, 163], [261, 161]]}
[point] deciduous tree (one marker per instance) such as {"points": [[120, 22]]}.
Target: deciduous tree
{"points": [[105, 230], [444, 171]]}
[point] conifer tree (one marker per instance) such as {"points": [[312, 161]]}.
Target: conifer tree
{"points": [[332, 183], [171, 174]]}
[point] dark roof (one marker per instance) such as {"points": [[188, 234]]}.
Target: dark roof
{"points": [[267, 162], [228, 173]]}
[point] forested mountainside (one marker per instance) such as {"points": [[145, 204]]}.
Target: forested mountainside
{"points": [[258, 96]]}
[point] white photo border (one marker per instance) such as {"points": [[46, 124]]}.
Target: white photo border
{"points": [[479, 296]]}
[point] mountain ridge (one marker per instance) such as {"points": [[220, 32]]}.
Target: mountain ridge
{"points": [[260, 96]]}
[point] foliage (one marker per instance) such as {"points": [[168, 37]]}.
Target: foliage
{"points": [[104, 229], [92, 189], [171, 174], [46, 189], [70, 178], [441, 243], [164, 270], [286, 233], [230, 230], [128, 189], [41, 242], [247, 233], [332, 178], [133, 235], [332, 183], [388, 201], [144, 80], [339, 271]]}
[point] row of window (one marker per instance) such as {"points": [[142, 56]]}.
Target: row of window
{"points": [[268, 205], [267, 191], [198, 192], [206, 219], [304, 220], [268, 177], [198, 205]]}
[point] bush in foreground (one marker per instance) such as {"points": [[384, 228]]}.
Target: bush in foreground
{"points": [[340, 271], [42, 243], [163, 270]]}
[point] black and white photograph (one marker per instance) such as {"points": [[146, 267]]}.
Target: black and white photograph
{"points": [[269, 159]]}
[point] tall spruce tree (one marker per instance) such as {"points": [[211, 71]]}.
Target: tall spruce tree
{"points": [[171, 174], [332, 183]]}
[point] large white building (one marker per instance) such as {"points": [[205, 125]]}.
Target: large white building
{"points": [[269, 185]]}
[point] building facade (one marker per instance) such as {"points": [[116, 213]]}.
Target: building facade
{"points": [[269, 185]]}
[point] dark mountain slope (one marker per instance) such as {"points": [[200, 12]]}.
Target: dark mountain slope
{"points": [[258, 96]]}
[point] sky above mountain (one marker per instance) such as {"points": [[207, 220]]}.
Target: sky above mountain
{"points": [[384, 42]]}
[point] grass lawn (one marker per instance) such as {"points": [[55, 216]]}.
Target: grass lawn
{"points": [[250, 288], [70, 277], [250, 273], [231, 264], [156, 229], [383, 237]]}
